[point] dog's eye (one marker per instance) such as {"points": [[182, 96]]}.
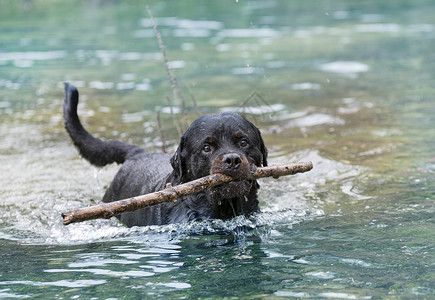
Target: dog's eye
{"points": [[243, 143], [206, 148]]}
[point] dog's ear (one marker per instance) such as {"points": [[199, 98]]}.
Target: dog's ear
{"points": [[177, 162], [263, 148]]}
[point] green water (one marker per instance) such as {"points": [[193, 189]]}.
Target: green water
{"points": [[348, 85]]}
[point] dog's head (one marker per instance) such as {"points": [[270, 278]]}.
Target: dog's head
{"points": [[220, 143]]}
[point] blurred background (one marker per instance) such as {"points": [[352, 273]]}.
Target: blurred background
{"points": [[348, 85]]}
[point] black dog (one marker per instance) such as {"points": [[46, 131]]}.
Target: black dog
{"points": [[215, 143]]}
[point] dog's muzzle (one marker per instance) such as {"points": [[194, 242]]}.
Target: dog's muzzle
{"points": [[238, 167], [233, 164]]}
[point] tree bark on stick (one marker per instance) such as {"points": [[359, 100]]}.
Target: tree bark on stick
{"points": [[172, 193]]}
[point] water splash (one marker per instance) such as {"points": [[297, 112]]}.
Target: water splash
{"points": [[50, 180]]}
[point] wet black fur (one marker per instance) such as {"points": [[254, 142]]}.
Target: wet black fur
{"points": [[231, 141]]}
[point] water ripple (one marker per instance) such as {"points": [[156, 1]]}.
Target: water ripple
{"points": [[60, 283]]}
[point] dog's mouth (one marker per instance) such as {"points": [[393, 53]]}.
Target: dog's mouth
{"points": [[230, 190], [238, 167]]}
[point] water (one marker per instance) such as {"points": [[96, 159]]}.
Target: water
{"points": [[346, 84]]}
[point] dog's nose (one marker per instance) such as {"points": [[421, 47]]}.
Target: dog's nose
{"points": [[231, 161]]}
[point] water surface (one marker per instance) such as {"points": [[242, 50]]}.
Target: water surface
{"points": [[348, 85]]}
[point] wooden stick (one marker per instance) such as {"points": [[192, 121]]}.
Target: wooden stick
{"points": [[176, 90], [171, 193]]}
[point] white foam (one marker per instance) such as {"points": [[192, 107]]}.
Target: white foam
{"points": [[344, 67], [31, 56], [249, 33]]}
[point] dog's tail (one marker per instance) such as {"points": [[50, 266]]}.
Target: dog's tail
{"points": [[96, 151]]}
